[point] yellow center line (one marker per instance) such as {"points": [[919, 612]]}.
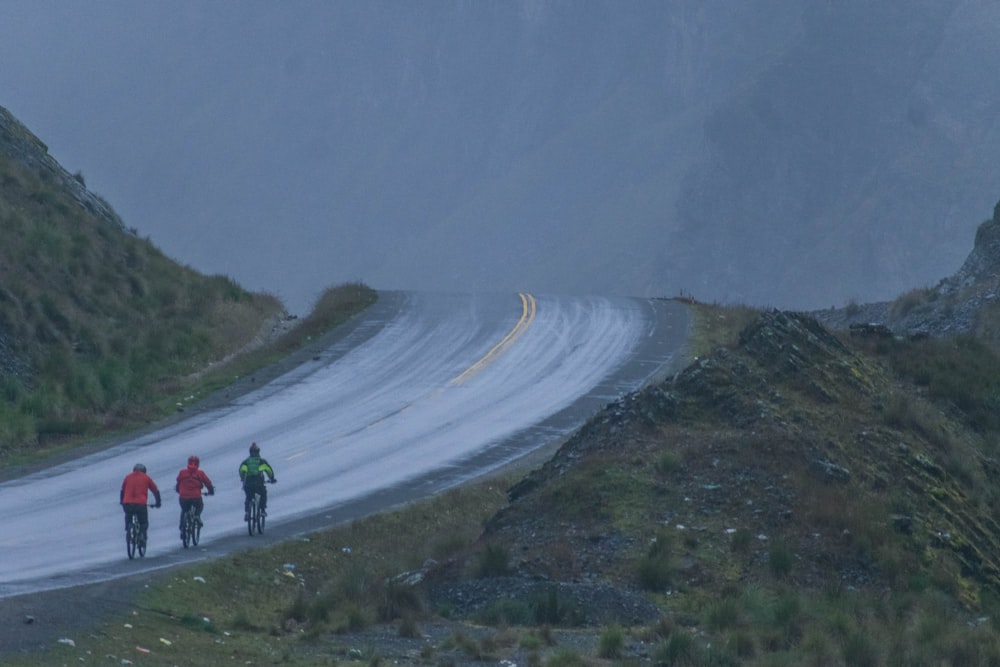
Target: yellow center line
{"points": [[527, 315]]}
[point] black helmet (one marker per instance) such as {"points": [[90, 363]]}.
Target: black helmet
{"points": [[254, 449], [138, 467]]}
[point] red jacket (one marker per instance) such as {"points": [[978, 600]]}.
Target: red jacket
{"points": [[136, 487], [190, 480]]}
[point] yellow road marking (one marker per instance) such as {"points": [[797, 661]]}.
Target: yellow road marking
{"points": [[528, 308], [527, 315]]}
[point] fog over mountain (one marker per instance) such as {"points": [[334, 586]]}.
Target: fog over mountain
{"points": [[789, 153]]}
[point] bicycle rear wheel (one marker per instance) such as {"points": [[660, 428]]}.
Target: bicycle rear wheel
{"points": [[252, 514], [132, 537], [261, 515], [195, 529]]}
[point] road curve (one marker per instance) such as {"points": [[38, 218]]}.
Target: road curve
{"points": [[419, 393]]}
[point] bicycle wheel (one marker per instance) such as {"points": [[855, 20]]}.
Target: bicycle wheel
{"points": [[132, 537], [252, 514], [261, 515], [195, 529], [186, 529], [141, 542]]}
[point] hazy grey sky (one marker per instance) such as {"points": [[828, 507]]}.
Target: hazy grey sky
{"points": [[780, 153]]}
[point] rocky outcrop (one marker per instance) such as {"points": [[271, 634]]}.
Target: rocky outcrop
{"points": [[19, 144], [955, 306], [982, 267]]}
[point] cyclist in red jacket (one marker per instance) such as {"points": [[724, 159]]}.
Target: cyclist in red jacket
{"points": [[135, 495], [190, 481]]}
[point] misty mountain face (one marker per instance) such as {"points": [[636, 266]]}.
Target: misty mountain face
{"points": [[855, 166], [564, 141], [787, 154]]}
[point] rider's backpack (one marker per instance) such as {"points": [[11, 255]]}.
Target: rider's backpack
{"points": [[253, 466]]}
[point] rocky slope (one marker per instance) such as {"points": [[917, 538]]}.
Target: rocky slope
{"points": [[784, 436], [800, 457], [964, 303]]}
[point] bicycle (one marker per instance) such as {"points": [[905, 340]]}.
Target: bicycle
{"points": [[191, 530], [135, 540], [256, 517]]}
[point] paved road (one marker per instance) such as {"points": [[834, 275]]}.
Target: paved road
{"points": [[421, 392]]}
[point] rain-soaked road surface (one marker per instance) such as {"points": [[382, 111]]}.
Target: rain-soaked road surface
{"points": [[424, 391]]}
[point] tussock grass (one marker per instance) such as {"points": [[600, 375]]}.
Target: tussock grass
{"points": [[611, 645], [911, 302], [963, 373], [657, 569], [716, 326], [493, 561]]}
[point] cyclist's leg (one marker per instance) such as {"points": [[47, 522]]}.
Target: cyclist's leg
{"points": [[184, 505], [263, 496], [199, 505], [128, 515], [247, 495]]}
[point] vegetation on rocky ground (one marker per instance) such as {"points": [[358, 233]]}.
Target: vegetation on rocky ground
{"points": [[795, 496]]}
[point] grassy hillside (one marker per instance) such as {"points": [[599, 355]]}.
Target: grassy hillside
{"points": [[99, 331], [794, 496]]}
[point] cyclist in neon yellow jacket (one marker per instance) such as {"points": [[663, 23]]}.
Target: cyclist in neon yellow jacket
{"points": [[252, 472]]}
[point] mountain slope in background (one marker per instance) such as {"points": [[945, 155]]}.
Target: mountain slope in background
{"points": [[797, 155], [792, 154], [859, 156]]}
